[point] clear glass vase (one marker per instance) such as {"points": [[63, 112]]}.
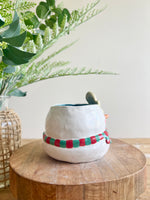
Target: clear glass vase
{"points": [[10, 138], [4, 102]]}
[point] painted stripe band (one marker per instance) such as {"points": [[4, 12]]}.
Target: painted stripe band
{"points": [[77, 142]]}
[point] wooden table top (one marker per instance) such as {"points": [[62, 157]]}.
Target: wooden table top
{"points": [[121, 161]]}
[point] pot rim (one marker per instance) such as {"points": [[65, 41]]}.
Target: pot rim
{"points": [[75, 105]]}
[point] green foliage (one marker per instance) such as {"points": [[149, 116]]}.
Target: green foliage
{"points": [[51, 3], [39, 42], [10, 54], [47, 35], [16, 40], [39, 31], [61, 21], [31, 47], [9, 69], [41, 11], [17, 93], [30, 19], [1, 22], [7, 8], [14, 56], [13, 28], [10, 40]]}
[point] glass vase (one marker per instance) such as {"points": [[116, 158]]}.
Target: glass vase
{"points": [[10, 138]]}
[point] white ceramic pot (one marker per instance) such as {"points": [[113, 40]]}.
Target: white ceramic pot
{"points": [[74, 133]]}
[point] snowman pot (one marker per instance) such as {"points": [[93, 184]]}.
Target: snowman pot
{"points": [[76, 133]]}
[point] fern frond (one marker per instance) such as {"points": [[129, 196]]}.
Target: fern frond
{"points": [[6, 8], [55, 30], [30, 47], [36, 71], [91, 15], [50, 56], [75, 72], [78, 71], [63, 24], [23, 5], [47, 35], [50, 71], [39, 42]]}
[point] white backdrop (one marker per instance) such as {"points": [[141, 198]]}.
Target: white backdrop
{"points": [[117, 40]]}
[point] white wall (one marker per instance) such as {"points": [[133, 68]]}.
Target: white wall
{"points": [[118, 40]]}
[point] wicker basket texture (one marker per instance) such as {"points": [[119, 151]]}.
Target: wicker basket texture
{"points": [[10, 140]]}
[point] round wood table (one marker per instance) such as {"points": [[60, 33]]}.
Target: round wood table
{"points": [[119, 175]]}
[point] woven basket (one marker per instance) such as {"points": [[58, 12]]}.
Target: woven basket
{"points": [[10, 140]]}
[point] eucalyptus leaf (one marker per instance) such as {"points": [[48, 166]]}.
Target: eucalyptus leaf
{"points": [[50, 22], [57, 11], [15, 16], [41, 11], [30, 35], [31, 20], [9, 69], [51, 3], [44, 4], [15, 41], [66, 12], [18, 93], [42, 26], [14, 56], [62, 14], [60, 19], [14, 28]]}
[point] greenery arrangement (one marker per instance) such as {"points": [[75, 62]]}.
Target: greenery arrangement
{"points": [[26, 35]]}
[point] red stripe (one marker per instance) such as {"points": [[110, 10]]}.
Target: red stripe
{"points": [[44, 136], [82, 142], [108, 141], [101, 136], [106, 133], [48, 140], [69, 143], [93, 140], [57, 143]]}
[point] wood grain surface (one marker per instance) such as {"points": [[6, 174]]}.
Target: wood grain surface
{"points": [[138, 142], [119, 175]]}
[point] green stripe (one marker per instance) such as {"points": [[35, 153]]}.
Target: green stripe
{"points": [[76, 143], [45, 138], [87, 141], [104, 135], [97, 138], [52, 141], [63, 143]]}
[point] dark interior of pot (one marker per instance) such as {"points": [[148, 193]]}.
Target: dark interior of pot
{"points": [[74, 104]]}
